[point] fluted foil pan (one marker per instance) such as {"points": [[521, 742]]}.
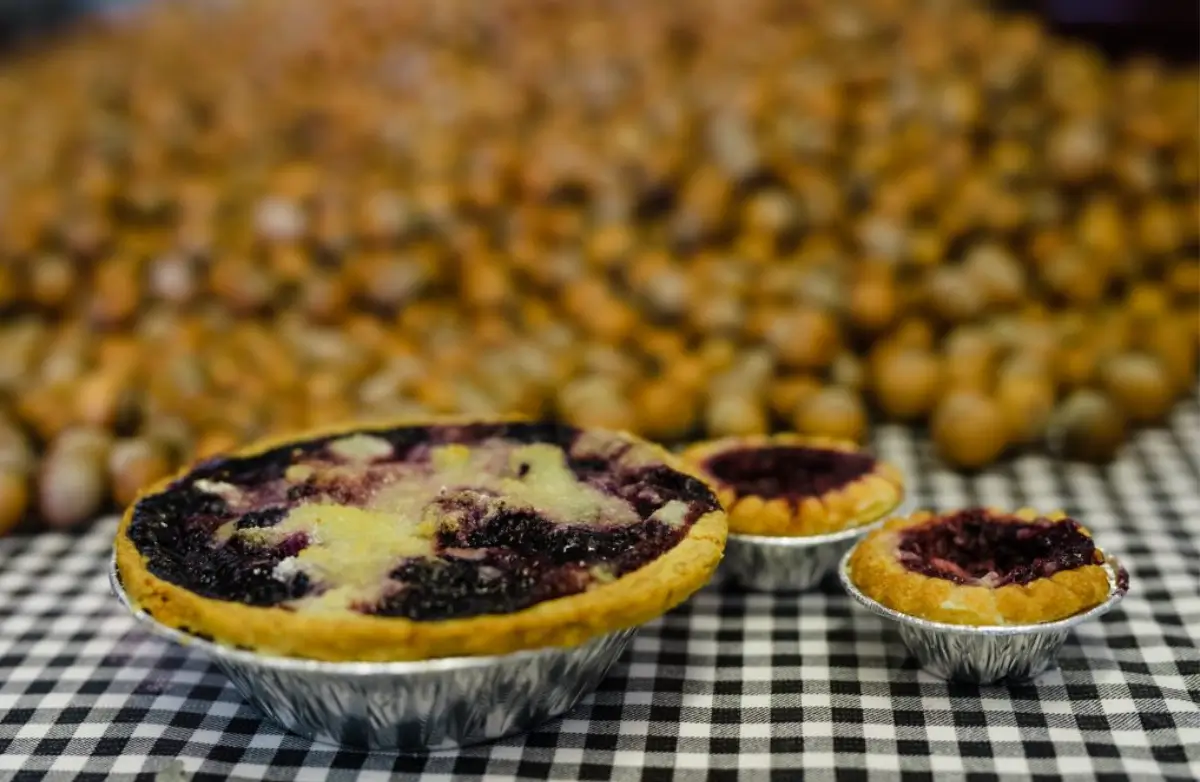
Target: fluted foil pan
{"points": [[776, 564], [986, 654], [768, 563], [407, 706]]}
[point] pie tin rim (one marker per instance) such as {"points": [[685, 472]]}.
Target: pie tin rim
{"points": [[804, 541], [1111, 568], [304, 665]]}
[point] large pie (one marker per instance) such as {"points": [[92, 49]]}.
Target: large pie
{"points": [[421, 541]]}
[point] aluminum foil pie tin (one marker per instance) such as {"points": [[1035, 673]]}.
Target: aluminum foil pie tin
{"points": [[988, 654], [766, 563], [777, 564], [411, 707]]}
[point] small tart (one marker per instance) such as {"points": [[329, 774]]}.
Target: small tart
{"points": [[982, 567], [413, 542], [788, 485]]}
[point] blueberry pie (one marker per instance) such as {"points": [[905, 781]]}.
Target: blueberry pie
{"points": [[983, 567], [788, 485], [419, 542]]}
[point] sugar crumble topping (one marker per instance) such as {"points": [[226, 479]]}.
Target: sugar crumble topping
{"points": [[361, 448], [673, 514], [286, 569], [226, 491]]}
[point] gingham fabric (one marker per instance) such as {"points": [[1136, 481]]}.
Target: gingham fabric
{"points": [[729, 687]]}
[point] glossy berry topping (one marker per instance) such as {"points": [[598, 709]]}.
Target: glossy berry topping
{"points": [[976, 547], [175, 531], [788, 471]]}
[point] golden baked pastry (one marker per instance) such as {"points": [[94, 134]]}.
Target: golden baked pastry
{"points": [[790, 485], [982, 567], [417, 542]]}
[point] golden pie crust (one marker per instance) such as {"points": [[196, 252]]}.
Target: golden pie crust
{"points": [[626, 602], [860, 501], [875, 568]]}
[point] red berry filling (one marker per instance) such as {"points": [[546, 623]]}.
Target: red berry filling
{"points": [[974, 546], [516, 561], [175, 531], [788, 471]]}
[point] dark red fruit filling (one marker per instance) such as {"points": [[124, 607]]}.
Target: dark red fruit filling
{"points": [[451, 587], [788, 471], [517, 560], [972, 544], [175, 532], [494, 564], [522, 560], [257, 519], [622, 549]]}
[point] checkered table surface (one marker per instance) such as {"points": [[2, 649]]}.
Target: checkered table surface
{"points": [[730, 686]]}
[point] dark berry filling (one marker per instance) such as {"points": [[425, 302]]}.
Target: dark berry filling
{"points": [[788, 471], [972, 545], [302, 491], [175, 532], [488, 562], [258, 519], [523, 560], [451, 587], [1122, 580], [248, 471], [536, 538]]}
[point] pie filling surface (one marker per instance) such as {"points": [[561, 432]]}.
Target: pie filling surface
{"points": [[975, 547], [426, 523], [790, 472]]}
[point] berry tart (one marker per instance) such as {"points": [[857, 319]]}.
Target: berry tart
{"points": [[983, 567], [787, 485], [416, 542]]}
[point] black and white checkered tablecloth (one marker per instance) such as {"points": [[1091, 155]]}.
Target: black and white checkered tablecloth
{"points": [[730, 686]]}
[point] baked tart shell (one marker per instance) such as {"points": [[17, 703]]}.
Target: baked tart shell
{"points": [[859, 501], [875, 569]]}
